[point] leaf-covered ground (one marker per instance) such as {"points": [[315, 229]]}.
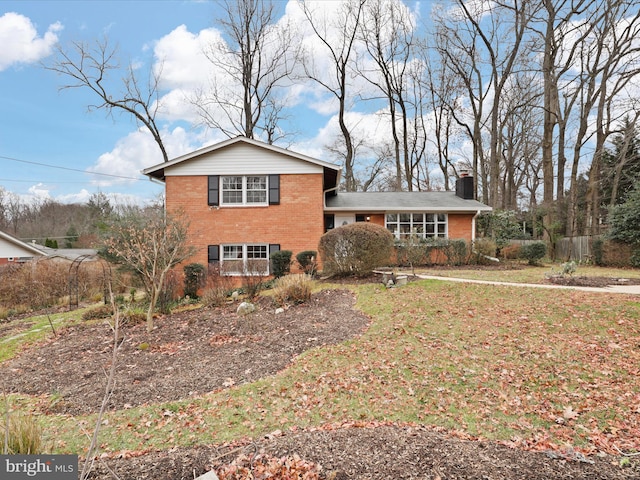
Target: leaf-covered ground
{"points": [[448, 380]]}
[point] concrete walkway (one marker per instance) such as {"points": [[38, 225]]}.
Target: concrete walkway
{"points": [[626, 289]]}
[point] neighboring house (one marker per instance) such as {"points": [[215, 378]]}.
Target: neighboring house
{"points": [[13, 250], [246, 199]]}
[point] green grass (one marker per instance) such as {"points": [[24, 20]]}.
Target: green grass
{"points": [[499, 363], [36, 329], [522, 273]]}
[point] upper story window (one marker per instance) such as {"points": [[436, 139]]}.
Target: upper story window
{"points": [[244, 190], [421, 225], [239, 190]]}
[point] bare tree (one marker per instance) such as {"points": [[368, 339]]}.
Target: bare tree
{"points": [[387, 33], [615, 61], [339, 41], [150, 243], [251, 65], [89, 67]]}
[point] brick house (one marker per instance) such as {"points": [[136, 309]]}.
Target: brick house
{"points": [[246, 199]]}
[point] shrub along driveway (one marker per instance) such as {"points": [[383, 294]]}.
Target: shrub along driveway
{"points": [[440, 363]]}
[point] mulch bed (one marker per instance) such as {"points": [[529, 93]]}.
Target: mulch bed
{"points": [[601, 282], [198, 351]]}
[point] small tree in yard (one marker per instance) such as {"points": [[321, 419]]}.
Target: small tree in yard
{"points": [[355, 249], [149, 242]]}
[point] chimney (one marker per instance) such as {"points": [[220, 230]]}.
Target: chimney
{"points": [[464, 186]]}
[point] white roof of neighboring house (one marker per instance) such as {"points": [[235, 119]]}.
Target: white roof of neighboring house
{"points": [[11, 246], [71, 253]]}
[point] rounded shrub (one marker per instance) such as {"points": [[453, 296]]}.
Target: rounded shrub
{"points": [[533, 252], [307, 261], [355, 249], [280, 262]]}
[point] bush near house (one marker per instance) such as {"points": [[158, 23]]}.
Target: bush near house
{"points": [[307, 261], [355, 249], [533, 252], [194, 275], [280, 263]]}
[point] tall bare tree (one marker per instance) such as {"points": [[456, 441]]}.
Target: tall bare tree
{"points": [[252, 63], [338, 39], [387, 32], [90, 66]]}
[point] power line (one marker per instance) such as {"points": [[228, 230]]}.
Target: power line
{"points": [[69, 168], [37, 181]]}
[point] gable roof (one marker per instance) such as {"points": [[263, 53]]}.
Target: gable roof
{"points": [[331, 171], [403, 202], [19, 244]]}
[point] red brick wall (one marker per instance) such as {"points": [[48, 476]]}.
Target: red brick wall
{"points": [[296, 224], [460, 226]]}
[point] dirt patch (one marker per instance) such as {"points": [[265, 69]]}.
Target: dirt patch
{"points": [[187, 353], [601, 282], [208, 349], [380, 453]]}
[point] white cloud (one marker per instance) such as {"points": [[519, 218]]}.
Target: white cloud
{"points": [[138, 151], [130, 155], [20, 41]]}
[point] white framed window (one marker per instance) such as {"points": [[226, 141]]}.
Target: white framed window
{"points": [[244, 190], [245, 259], [421, 225]]}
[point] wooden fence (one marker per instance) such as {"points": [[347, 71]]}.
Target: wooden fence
{"points": [[577, 249]]}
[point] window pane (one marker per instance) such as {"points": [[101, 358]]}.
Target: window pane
{"points": [[232, 183], [231, 189], [257, 197], [231, 252], [418, 217], [392, 217], [256, 251], [430, 217], [442, 228], [232, 197], [257, 189], [393, 228], [256, 183], [441, 217], [430, 230], [405, 217]]}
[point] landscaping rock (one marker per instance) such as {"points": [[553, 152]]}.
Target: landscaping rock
{"points": [[245, 308]]}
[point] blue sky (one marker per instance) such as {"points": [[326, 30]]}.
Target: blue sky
{"points": [[43, 125]]}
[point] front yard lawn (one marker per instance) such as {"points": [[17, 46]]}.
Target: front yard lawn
{"points": [[538, 370]]}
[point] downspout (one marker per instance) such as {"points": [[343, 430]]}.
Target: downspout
{"points": [[473, 227]]}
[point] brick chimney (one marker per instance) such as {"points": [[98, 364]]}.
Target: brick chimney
{"points": [[464, 186]]}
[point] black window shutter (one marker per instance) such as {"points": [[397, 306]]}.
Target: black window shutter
{"points": [[273, 247], [214, 190], [274, 189], [213, 254]]}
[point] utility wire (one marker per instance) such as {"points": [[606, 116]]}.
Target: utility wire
{"points": [[69, 169]]}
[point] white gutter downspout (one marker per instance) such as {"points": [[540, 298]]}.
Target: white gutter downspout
{"points": [[473, 227]]}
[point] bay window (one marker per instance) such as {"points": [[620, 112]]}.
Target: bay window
{"points": [[420, 225]]}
